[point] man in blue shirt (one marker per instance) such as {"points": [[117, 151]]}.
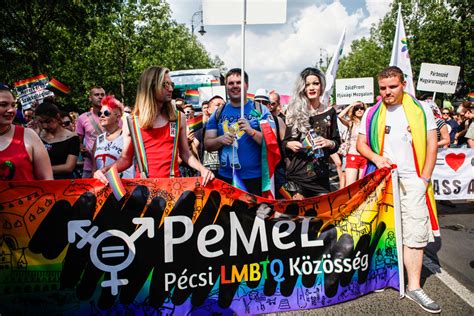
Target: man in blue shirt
{"points": [[237, 139]]}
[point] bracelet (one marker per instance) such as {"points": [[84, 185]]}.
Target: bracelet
{"points": [[254, 132], [427, 180]]}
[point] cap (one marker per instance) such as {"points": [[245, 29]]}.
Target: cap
{"points": [[216, 97], [262, 95]]}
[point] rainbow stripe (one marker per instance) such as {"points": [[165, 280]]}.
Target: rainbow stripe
{"points": [[191, 96], [195, 123], [250, 96], [215, 82], [174, 154], [470, 97], [56, 84], [26, 82], [307, 143], [115, 183], [136, 133]]}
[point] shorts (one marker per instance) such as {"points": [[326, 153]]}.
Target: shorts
{"points": [[416, 225], [355, 161]]}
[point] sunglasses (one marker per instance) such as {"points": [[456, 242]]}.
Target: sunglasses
{"points": [[66, 123], [106, 113], [445, 113], [357, 108], [168, 84]]}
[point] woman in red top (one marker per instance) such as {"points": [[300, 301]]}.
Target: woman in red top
{"points": [[158, 120], [22, 155]]}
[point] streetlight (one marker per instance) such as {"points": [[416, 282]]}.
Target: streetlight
{"points": [[201, 31]]}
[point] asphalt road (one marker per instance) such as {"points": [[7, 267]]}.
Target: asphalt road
{"points": [[453, 253]]}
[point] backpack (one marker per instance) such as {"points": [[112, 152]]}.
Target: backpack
{"points": [[258, 107]]}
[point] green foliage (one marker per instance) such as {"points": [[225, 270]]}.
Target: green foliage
{"points": [[85, 43], [437, 31]]}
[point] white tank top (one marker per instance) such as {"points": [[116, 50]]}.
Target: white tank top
{"points": [[107, 152]]}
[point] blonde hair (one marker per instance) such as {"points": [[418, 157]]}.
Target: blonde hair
{"points": [[151, 82]]}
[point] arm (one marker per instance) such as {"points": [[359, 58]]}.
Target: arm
{"points": [[282, 126], [364, 149], [257, 136], [431, 152], [39, 156], [94, 164], [188, 157], [444, 141], [212, 142], [66, 167], [342, 115]]}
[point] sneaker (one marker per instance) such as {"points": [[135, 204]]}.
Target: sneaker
{"points": [[419, 296], [379, 290]]}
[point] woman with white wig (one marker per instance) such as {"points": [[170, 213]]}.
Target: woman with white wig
{"points": [[311, 137]]}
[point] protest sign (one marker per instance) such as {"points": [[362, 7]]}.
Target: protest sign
{"points": [[438, 78], [230, 12], [452, 176], [32, 89], [354, 89], [173, 246]]}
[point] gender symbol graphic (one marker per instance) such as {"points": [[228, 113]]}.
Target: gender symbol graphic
{"points": [[76, 228]]}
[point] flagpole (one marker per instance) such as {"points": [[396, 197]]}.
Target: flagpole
{"points": [[242, 74]]}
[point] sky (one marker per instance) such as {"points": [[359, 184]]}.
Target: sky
{"points": [[276, 53]]}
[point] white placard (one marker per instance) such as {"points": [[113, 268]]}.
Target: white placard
{"points": [[438, 78], [229, 12], [452, 176], [354, 89]]}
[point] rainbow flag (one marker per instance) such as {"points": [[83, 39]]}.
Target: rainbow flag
{"points": [[307, 143], [195, 123], [250, 96], [33, 80], [58, 86], [191, 97], [115, 183], [237, 181], [270, 158], [470, 97], [215, 82]]}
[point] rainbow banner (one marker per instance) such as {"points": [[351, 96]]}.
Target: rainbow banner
{"points": [[32, 89], [195, 123], [191, 97], [171, 246]]}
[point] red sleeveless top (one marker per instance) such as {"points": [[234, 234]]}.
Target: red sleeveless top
{"points": [[159, 150], [15, 163]]}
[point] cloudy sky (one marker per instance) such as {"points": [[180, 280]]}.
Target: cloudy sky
{"points": [[276, 53]]}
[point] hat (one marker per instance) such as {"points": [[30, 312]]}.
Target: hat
{"points": [[262, 95], [216, 97], [188, 106]]}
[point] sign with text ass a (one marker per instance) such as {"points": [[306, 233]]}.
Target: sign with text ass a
{"points": [[354, 89], [171, 246]]}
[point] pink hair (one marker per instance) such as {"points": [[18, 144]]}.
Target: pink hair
{"points": [[111, 102]]}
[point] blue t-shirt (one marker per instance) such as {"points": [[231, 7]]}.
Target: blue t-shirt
{"points": [[245, 154]]}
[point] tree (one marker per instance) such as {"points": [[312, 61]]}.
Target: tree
{"points": [[438, 32], [85, 43]]}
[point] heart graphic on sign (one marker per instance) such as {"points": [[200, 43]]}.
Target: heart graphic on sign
{"points": [[455, 161]]}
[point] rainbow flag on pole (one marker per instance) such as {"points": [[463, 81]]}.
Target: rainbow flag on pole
{"points": [[195, 123], [270, 158], [55, 84], [115, 183]]}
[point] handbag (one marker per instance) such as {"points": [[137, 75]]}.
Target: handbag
{"points": [[344, 147]]}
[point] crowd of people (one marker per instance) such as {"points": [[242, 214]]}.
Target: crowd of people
{"points": [[160, 138]]}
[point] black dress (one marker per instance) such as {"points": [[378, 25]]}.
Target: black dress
{"points": [[306, 174]]}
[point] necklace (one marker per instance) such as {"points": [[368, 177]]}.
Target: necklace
{"points": [[6, 130], [108, 134]]}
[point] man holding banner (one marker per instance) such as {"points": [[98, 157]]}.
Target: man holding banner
{"points": [[400, 130]]}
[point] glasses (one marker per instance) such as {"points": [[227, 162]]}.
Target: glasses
{"points": [[168, 84], [66, 123], [357, 108], [106, 113], [445, 113]]}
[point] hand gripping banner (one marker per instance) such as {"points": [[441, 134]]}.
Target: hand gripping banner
{"points": [[172, 246]]}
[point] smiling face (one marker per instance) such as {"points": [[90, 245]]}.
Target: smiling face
{"points": [[7, 108], [391, 90], [312, 87], [109, 117], [233, 86]]}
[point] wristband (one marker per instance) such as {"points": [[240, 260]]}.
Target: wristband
{"points": [[253, 134], [427, 180]]}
